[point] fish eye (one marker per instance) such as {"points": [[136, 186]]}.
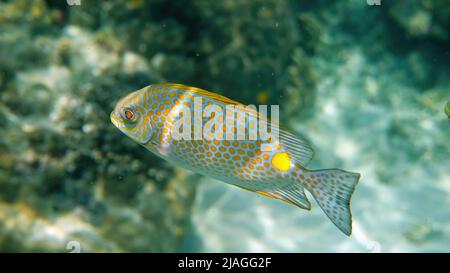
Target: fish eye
{"points": [[128, 114]]}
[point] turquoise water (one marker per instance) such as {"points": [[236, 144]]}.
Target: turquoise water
{"points": [[366, 85]]}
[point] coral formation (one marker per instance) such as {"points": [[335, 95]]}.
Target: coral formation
{"points": [[375, 77]]}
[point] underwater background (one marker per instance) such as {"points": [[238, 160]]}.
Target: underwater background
{"points": [[366, 84]]}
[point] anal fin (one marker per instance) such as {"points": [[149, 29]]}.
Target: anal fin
{"points": [[293, 194]]}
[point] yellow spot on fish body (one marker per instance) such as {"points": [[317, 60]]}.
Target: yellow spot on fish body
{"points": [[281, 161]]}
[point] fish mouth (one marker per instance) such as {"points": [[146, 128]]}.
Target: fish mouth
{"points": [[112, 116]]}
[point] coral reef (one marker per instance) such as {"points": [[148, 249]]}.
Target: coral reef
{"points": [[422, 18]]}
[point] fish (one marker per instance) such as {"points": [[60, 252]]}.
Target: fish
{"points": [[167, 119], [447, 109]]}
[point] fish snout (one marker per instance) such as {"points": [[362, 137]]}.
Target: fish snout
{"points": [[113, 118]]}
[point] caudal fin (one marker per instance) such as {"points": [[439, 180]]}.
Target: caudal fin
{"points": [[333, 189]]}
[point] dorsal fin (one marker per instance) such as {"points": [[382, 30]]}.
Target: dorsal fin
{"points": [[201, 92]]}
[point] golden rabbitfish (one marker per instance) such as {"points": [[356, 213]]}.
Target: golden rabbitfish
{"points": [[148, 116]]}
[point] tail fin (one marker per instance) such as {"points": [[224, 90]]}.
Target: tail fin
{"points": [[333, 189]]}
